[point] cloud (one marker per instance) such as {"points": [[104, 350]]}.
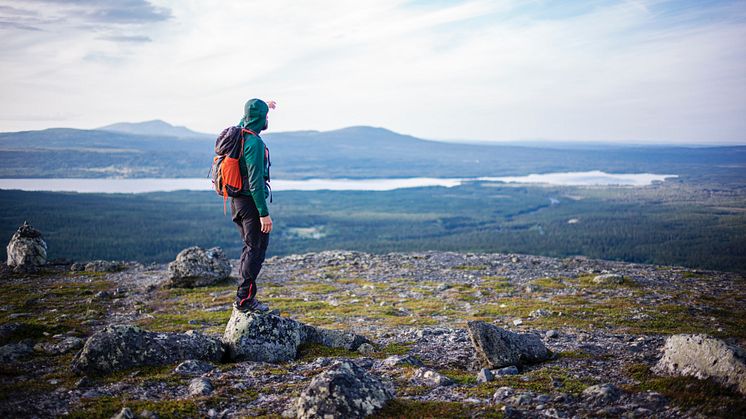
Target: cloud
{"points": [[653, 70], [126, 38]]}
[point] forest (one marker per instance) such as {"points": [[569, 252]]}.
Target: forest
{"points": [[669, 223]]}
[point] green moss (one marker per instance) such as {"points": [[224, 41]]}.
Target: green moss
{"points": [[396, 349], [311, 351], [574, 355], [548, 283], [105, 407], [405, 408], [541, 380], [469, 268], [705, 397]]}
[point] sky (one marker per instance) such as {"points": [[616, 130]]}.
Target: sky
{"points": [[632, 71]]}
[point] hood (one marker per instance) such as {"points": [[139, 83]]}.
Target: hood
{"points": [[254, 115]]}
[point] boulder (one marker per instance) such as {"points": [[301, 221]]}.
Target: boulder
{"points": [[121, 347], [26, 249], [255, 336], [608, 279], [497, 347], [66, 345], [197, 267], [102, 266], [345, 390], [702, 356]]}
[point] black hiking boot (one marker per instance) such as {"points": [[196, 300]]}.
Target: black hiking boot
{"points": [[253, 305]]}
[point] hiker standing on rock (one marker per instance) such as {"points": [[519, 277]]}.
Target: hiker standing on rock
{"points": [[249, 209]]}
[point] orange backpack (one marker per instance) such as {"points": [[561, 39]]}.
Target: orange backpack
{"points": [[225, 171]]}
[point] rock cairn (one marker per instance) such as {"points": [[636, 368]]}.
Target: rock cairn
{"points": [[27, 249]]}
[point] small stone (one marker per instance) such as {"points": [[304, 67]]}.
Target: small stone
{"points": [[366, 349], [125, 413], [485, 375], [540, 312], [502, 393], [398, 360], [200, 387], [442, 287], [430, 378], [551, 334], [511, 370], [517, 322], [602, 393], [147, 414], [193, 367], [515, 259], [521, 399]]}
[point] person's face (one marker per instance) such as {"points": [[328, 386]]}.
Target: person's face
{"points": [[266, 123]]}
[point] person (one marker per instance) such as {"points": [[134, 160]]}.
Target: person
{"points": [[249, 210]]}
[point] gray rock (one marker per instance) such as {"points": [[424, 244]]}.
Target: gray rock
{"points": [[7, 330], [120, 347], [125, 413], [608, 279], [540, 312], [502, 393], [343, 391], [602, 393], [366, 349], [67, 345], [103, 266], [430, 378], [702, 356], [77, 267], [271, 338], [14, 351], [398, 360], [200, 387], [485, 375], [511, 370], [497, 347], [521, 399], [551, 334], [26, 249], [197, 267], [193, 367]]}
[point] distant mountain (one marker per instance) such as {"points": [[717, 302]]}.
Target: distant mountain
{"points": [[161, 150], [155, 127]]}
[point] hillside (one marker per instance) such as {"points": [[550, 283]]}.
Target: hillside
{"points": [[412, 306], [160, 150], [155, 128]]}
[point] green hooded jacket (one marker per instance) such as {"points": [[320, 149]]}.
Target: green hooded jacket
{"points": [[254, 166]]}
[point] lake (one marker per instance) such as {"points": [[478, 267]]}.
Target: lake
{"points": [[143, 185]]}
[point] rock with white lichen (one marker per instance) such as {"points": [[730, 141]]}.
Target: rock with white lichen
{"points": [[345, 390], [702, 356]]}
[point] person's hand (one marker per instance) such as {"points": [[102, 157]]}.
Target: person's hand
{"points": [[272, 104], [266, 223]]}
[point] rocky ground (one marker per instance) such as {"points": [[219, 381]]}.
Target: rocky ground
{"points": [[604, 323]]}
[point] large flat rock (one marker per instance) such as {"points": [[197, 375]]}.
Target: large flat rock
{"points": [[271, 338], [121, 347]]}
